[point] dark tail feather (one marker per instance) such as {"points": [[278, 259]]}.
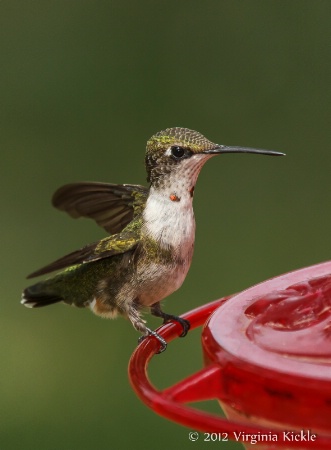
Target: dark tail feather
{"points": [[38, 295]]}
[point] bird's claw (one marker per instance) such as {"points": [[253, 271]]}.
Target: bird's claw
{"points": [[183, 322], [157, 336]]}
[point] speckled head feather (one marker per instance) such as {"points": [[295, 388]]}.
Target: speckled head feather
{"points": [[179, 136], [157, 163]]}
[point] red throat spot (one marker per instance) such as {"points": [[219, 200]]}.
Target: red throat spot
{"points": [[174, 198]]}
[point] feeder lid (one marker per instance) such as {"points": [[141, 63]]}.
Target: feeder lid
{"points": [[282, 325], [272, 344]]}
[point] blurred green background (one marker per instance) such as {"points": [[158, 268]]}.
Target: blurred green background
{"points": [[83, 85]]}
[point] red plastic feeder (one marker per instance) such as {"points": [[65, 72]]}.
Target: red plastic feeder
{"points": [[267, 360]]}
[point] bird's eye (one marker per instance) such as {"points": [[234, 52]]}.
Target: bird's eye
{"points": [[177, 152]]}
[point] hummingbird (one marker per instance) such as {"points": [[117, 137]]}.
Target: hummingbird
{"points": [[149, 249]]}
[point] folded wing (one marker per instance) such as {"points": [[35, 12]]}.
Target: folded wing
{"points": [[110, 246]]}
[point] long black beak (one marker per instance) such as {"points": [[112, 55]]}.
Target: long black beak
{"points": [[226, 149]]}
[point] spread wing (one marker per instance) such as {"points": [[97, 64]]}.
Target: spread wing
{"points": [[112, 245], [112, 206]]}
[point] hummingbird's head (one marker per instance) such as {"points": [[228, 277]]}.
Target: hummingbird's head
{"points": [[182, 152]]}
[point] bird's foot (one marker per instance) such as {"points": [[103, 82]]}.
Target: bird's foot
{"points": [[183, 322], [157, 311], [162, 341]]}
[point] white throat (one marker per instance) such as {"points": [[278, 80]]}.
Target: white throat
{"points": [[169, 219]]}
